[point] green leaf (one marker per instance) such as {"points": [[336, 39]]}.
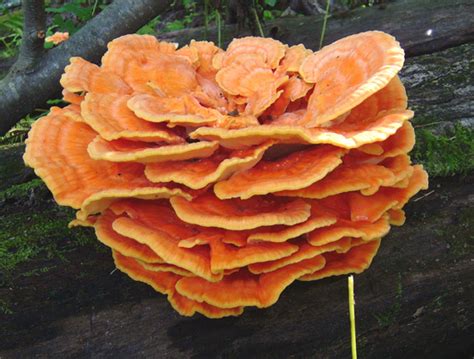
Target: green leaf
{"points": [[270, 3]]}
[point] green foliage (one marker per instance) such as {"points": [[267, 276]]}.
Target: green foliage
{"points": [[11, 31], [180, 24], [149, 29], [18, 133], [271, 14], [445, 155], [81, 11], [271, 3]]}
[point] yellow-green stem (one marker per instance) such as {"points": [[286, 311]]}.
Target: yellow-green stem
{"points": [[323, 30], [257, 20], [350, 285]]}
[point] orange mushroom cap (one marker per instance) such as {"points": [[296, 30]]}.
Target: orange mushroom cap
{"points": [[297, 170], [57, 37], [245, 289], [199, 173], [220, 177], [355, 260], [207, 210], [347, 72]]}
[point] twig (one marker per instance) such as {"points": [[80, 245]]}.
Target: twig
{"points": [[94, 8], [350, 285], [323, 31], [257, 21], [427, 124], [425, 195]]}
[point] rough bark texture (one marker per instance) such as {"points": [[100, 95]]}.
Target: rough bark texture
{"points": [[451, 23], [21, 94], [413, 302], [440, 87]]}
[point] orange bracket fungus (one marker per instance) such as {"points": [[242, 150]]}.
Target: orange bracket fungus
{"points": [[220, 177]]}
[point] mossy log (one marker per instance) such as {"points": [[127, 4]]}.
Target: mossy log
{"points": [[414, 301]]}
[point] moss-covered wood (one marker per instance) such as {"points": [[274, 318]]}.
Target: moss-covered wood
{"points": [[414, 302], [12, 169]]}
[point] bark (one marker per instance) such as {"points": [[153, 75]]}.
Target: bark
{"points": [[21, 94], [414, 301], [12, 168], [451, 24], [440, 88]]}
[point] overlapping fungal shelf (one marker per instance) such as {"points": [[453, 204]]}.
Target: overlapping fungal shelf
{"points": [[220, 177]]}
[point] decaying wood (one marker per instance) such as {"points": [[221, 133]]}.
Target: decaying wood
{"points": [[414, 301], [12, 169], [440, 87], [421, 26], [21, 94]]}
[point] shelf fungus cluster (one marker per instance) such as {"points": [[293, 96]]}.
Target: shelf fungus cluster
{"points": [[220, 177]]}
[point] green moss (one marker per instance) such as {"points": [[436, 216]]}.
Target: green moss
{"points": [[21, 190], [5, 307], [445, 155], [35, 238]]}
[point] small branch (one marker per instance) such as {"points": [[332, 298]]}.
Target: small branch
{"points": [[34, 31]]}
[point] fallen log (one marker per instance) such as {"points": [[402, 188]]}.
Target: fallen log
{"points": [[421, 26], [440, 88], [414, 301]]}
